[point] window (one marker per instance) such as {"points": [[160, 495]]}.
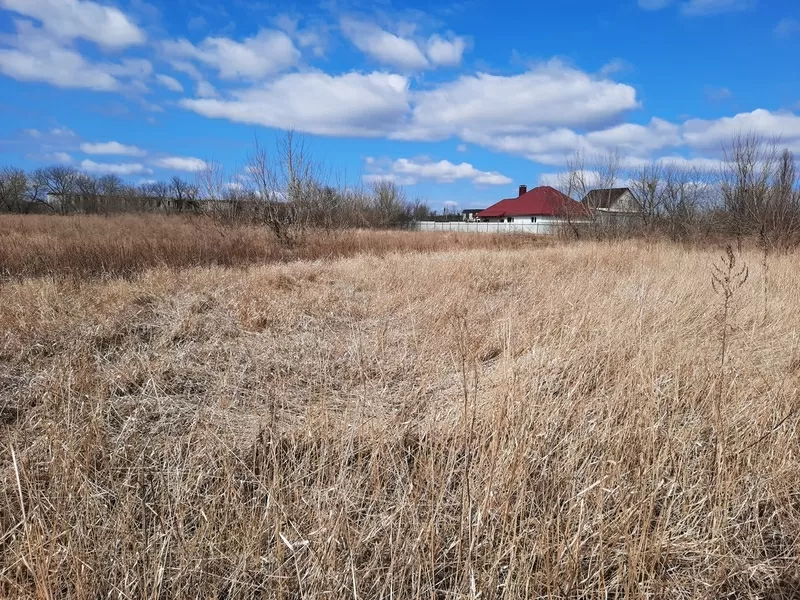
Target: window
{"points": [[508, 219], [533, 219]]}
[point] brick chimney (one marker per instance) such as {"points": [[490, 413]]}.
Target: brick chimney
{"points": [[523, 189]]}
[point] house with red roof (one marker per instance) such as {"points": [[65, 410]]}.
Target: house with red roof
{"points": [[542, 205]]}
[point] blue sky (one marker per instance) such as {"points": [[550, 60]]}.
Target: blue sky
{"points": [[459, 103]]}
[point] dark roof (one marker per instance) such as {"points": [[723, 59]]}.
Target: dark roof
{"points": [[472, 210], [604, 198], [542, 201]]}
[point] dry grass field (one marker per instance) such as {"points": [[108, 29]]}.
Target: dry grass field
{"points": [[95, 246], [537, 421]]}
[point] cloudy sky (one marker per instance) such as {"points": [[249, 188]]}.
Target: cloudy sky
{"points": [[459, 103]]}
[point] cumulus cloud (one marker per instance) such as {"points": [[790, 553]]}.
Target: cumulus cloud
{"points": [[446, 52], [111, 148], [711, 134], [409, 171], [549, 95], [697, 136], [32, 54], [106, 26], [383, 46], [113, 169], [352, 104], [268, 52], [170, 83], [181, 163]]}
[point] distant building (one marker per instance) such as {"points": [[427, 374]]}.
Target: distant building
{"points": [[613, 206], [470, 214], [612, 200], [542, 205]]}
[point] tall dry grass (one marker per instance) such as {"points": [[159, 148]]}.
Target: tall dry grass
{"points": [[122, 245], [543, 422]]}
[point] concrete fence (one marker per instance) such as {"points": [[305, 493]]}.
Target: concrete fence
{"points": [[470, 227]]}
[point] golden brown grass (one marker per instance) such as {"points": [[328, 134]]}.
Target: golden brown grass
{"points": [[90, 246], [542, 422]]}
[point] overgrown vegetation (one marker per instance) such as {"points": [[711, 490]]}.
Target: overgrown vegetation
{"points": [[535, 422], [122, 245], [751, 192], [282, 188]]}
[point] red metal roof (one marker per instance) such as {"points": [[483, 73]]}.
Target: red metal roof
{"points": [[542, 201]]}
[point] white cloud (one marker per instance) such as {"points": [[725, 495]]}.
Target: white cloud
{"points": [[35, 133], [383, 46], [549, 95], [706, 134], [113, 169], [632, 138], [639, 143], [313, 38], [63, 132], [184, 66], [787, 28], [112, 148], [181, 163], [616, 65], [462, 148], [446, 52], [354, 104], [205, 90], [33, 56], [61, 157], [391, 177], [587, 177], [410, 171], [264, 54], [483, 109], [170, 83], [71, 19]]}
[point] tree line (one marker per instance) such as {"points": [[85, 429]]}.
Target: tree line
{"points": [[281, 187], [751, 190]]}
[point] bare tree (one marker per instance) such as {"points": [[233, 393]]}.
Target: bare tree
{"points": [[87, 196], [389, 201], [684, 193], [647, 185], [13, 188], [155, 195], [60, 184], [758, 187], [263, 174], [182, 194]]}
